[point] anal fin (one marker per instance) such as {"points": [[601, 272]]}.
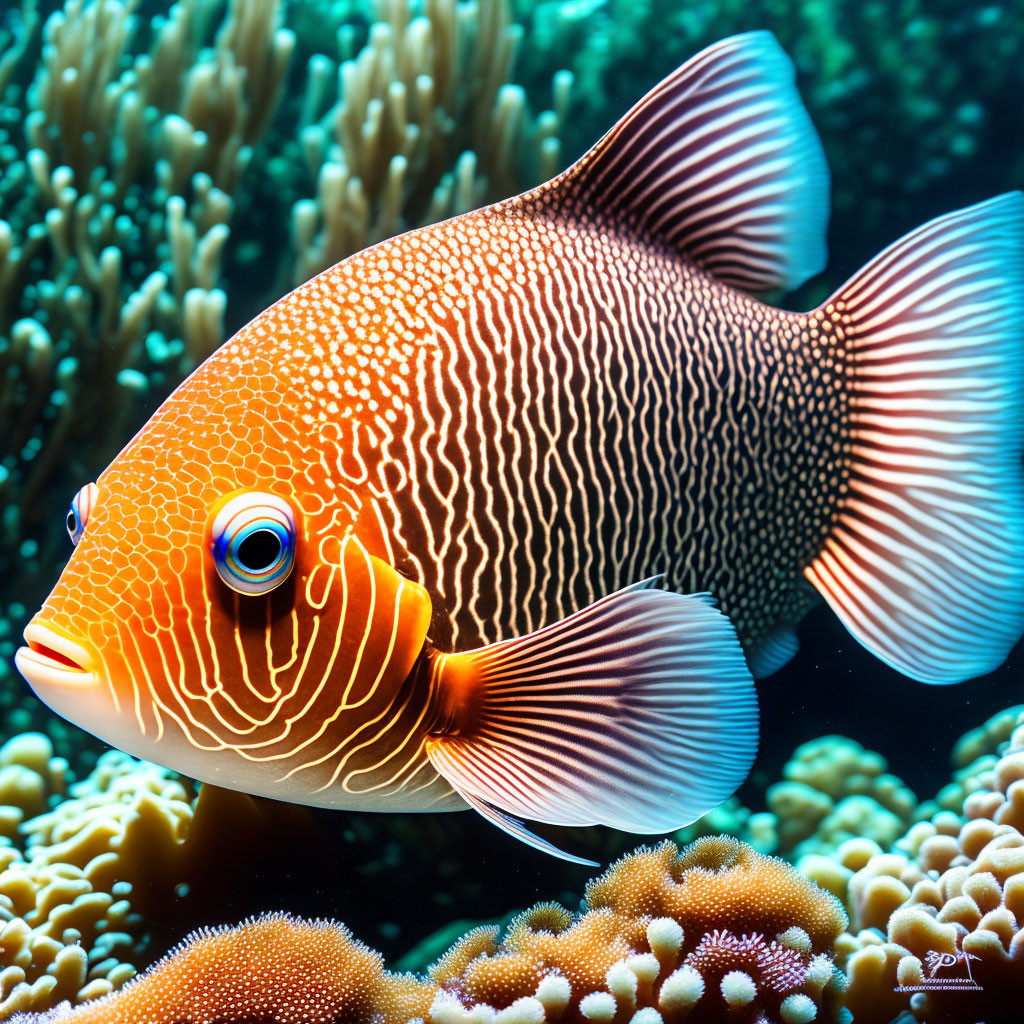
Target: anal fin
{"points": [[773, 651]]}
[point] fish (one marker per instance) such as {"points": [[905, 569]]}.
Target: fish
{"points": [[509, 512]]}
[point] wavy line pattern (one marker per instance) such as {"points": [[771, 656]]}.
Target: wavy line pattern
{"points": [[520, 410], [628, 415]]}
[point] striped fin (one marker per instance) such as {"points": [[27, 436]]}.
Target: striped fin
{"points": [[721, 162], [773, 651], [637, 712], [925, 564]]}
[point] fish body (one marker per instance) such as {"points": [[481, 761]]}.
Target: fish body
{"points": [[645, 419], [439, 527]]}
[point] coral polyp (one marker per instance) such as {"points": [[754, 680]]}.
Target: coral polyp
{"points": [[613, 961]]}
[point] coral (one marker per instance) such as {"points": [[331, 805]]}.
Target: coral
{"points": [[276, 970], [615, 960], [974, 756], [945, 906], [66, 892], [834, 790], [718, 882], [86, 866], [667, 931], [732, 818], [987, 739], [720, 920], [424, 125]]}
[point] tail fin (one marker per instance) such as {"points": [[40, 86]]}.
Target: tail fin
{"points": [[925, 564]]}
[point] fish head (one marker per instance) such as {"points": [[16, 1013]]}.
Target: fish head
{"points": [[231, 608]]}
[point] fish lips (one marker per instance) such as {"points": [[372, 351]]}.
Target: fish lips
{"points": [[51, 660]]}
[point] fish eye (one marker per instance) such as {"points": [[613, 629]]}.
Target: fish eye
{"points": [[252, 540], [78, 514]]}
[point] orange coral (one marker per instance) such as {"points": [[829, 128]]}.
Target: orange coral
{"points": [[581, 953], [275, 969], [719, 882], [656, 945]]}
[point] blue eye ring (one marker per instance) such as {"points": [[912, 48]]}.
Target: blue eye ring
{"points": [[82, 505], [252, 540]]}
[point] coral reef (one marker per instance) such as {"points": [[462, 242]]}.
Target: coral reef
{"points": [[275, 970], [668, 936], [87, 870], [834, 790], [66, 892], [85, 867], [937, 920]]}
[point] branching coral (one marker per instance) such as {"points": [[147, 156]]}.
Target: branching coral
{"points": [[425, 125], [615, 961]]}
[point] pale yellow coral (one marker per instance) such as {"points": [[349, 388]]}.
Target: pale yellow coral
{"points": [[83, 884], [65, 897], [987, 738], [834, 790], [953, 887]]}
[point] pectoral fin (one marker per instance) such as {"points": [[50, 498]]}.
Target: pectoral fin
{"points": [[637, 712]]}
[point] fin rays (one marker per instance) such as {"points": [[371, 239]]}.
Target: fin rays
{"points": [[719, 161], [636, 712], [926, 563]]}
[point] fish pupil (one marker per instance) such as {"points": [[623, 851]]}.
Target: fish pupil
{"points": [[259, 550], [71, 523]]}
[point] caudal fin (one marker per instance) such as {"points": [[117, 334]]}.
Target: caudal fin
{"points": [[636, 712], [925, 564]]}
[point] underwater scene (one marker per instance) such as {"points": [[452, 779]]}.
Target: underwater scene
{"points": [[511, 512]]}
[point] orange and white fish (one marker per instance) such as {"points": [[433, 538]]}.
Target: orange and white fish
{"points": [[392, 546]]}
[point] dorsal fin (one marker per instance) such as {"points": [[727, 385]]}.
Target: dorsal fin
{"points": [[719, 161]]}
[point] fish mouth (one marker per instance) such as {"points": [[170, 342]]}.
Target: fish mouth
{"points": [[50, 659]]}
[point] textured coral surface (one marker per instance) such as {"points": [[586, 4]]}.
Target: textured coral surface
{"points": [[643, 947], [941, 915], [91, 871], [87, 868], [275, 970]]}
